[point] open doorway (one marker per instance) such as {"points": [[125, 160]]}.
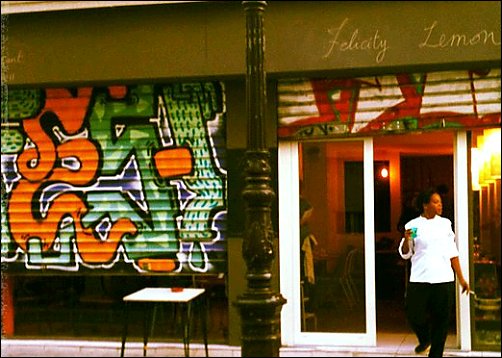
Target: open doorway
{"points": [[416, 162], [332, 179]]}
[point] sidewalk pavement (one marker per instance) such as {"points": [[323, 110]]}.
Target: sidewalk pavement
{"points": [[71, 348]]}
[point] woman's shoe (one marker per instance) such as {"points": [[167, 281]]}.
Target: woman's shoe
{"points": [[422, 348]]}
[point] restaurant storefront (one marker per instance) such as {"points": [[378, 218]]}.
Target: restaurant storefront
{"points": [[122, 142], [358, 148]]}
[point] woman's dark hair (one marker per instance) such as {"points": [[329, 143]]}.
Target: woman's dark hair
{"points": [[424, 198]]}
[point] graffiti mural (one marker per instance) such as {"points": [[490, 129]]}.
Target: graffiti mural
{"points": [[133, 174], [388, 104]]}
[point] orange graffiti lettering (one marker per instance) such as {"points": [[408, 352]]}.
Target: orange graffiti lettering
{"points": [[173, 162], [70, 110], [117, 92], [87, 155], [36, 163], [93, 250], [24, 226]]}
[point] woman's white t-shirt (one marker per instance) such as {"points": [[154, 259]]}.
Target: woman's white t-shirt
{"points": [[432, 250]]}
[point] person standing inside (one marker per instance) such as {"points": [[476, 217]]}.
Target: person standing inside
{"points": [[429, 241], [307, 244], [307, 240]]}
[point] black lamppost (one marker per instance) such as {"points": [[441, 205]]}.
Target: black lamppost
{"points": [[259, 306]]}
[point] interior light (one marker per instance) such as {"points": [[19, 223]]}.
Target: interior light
{"points": [[384, 173], [492, 143], [475, 168]]}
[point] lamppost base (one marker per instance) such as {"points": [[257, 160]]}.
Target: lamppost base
{"points": [[261, 331]]}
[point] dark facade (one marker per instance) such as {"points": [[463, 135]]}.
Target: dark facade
{"points": [[124, 129]]}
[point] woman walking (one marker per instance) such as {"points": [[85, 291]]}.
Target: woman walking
{"points": [[429, 241]]}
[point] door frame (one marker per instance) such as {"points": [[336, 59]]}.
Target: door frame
{"points": [[461, 194], [289, 252]]}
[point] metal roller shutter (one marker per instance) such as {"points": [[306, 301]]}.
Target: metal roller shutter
{"points": [[320, 108], [97, 176]]}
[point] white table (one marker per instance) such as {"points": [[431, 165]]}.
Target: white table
{"points": [[158, 295]]}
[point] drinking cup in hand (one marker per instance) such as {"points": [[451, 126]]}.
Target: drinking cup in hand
{"points": [[413, 234]]}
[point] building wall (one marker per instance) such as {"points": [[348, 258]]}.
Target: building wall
{"points": [[207, 39]]}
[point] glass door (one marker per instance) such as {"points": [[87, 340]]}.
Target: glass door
{"points": [[326, 231]]}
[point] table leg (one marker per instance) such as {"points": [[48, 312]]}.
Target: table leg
{"points": [[146, 324], [204, 322], [125, 318], [186, 314]]}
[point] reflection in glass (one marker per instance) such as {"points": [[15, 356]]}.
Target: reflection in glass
{"points": [[334, 300]]}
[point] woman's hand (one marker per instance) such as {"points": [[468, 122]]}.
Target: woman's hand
{"points": [[455, 264], [465, 286]]}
